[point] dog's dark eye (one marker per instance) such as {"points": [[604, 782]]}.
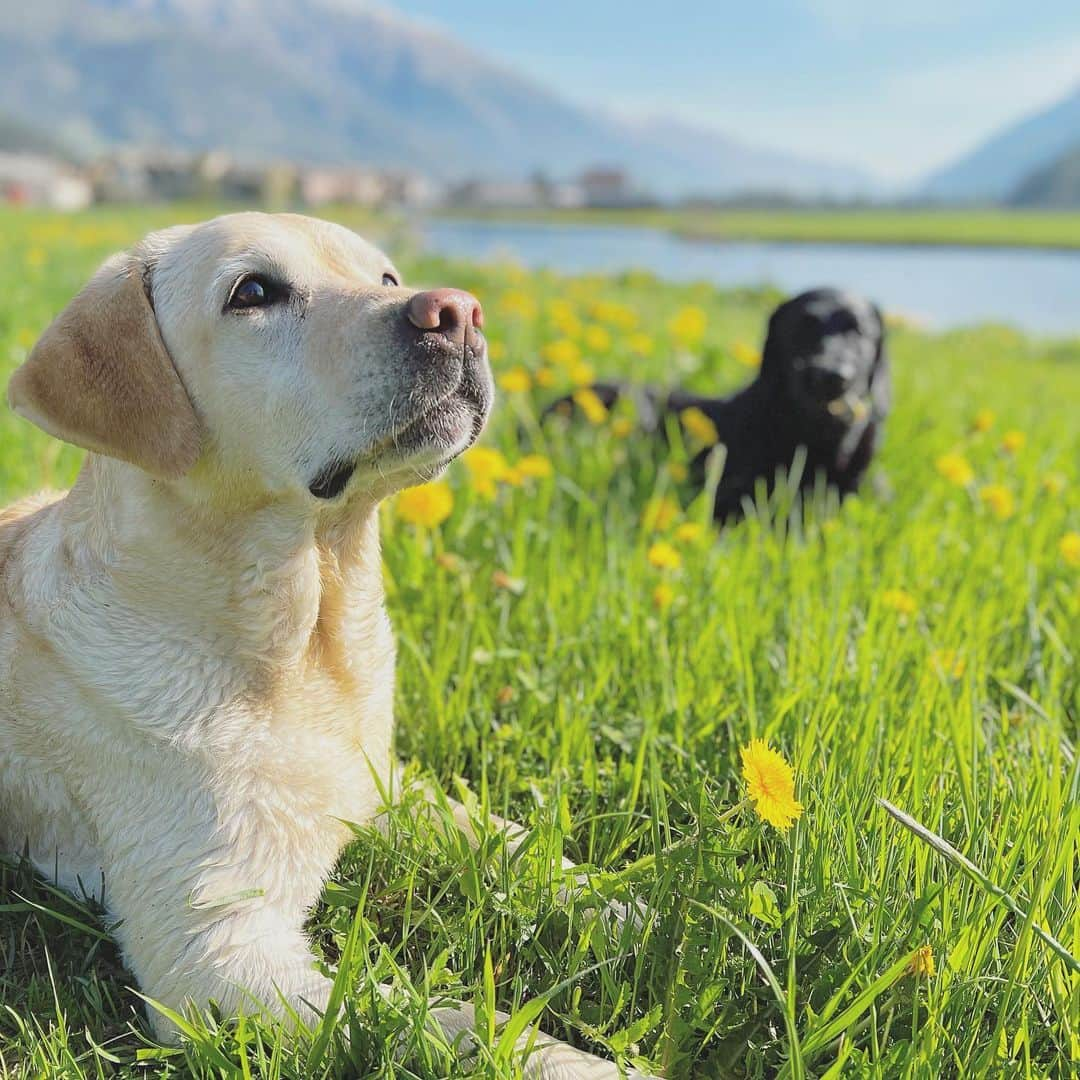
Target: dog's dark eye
{"points": [[389, 279], [254, 291]]}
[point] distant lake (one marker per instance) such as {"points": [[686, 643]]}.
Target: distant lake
{"points": [[943, 287]]}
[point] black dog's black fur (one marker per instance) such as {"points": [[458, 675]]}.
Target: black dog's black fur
{"points": [[824, 386]]}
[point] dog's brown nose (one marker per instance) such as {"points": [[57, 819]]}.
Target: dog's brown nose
{"points": [[455, 314]]}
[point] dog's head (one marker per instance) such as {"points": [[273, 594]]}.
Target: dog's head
{"points": [[825, 353], [272, 351]]}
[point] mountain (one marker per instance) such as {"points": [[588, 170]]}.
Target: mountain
{"points": [[693, 160], [992, 171], [342, 81], [19, 138], [1055, 187]]}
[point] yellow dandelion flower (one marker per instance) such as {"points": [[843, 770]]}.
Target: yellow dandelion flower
{"points": [[662, 596], [486, 467], [1054, 483], [770, 785], [900, 601], [35, 257], [746, 355], [699, 426], [594, 409], [641, 343], [948, 662], [619, 315], [426, 505], [515, 381], [956, 469], [1012, 442], [664, 556], [983, 420], [922, 963], [999, 500], [562, 352], [518, 303], [597, 339], [622, 426], [535, 467], [581, 374], [513, 477], [688, 325], [564, 318], [677, 471], [660, 514], [689, 532], [569, 328], [1069, 548], [545, 377]]}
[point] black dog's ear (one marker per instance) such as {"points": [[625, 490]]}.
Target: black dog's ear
{"points": [[881, 376], [776, 351]]}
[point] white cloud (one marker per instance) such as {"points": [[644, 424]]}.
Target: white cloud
{"points": [[915, 120], [845, 17]]}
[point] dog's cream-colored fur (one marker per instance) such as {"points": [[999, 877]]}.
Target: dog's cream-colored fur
{"points": [[196, 667]]}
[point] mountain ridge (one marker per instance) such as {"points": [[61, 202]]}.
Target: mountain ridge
{"points": [[1053, 187], [345, 81], [995, 168]]}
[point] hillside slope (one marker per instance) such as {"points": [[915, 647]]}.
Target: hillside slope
{"points": [[332, 80]]}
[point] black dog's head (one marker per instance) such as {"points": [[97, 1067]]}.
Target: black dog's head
{"points": [[825, 355]]}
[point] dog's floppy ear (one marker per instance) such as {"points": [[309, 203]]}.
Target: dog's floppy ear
{"points": [[775, 352], [101, 377]]}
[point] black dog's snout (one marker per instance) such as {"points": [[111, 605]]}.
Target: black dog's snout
{"points": [[826, 383]]}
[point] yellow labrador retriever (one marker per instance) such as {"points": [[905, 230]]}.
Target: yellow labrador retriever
{"points": [[196, 667]]}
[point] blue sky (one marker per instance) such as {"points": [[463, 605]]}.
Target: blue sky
{"points": [[896, 87]]}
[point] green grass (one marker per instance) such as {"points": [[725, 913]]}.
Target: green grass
{"points": [[921, 227], [534, 664]]}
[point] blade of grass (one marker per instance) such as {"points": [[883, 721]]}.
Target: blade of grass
{"points": [[943, 847]]}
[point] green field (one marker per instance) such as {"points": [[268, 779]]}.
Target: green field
{"points": [[919, 227], [921, 644]]}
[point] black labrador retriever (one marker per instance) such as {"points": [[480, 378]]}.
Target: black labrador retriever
{"points": [[824, 386]]}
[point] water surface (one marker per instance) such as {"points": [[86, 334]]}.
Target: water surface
{"points": [[943, 287]]}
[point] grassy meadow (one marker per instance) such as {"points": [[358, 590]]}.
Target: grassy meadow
{"points": [[582, 650], [920, 227]]}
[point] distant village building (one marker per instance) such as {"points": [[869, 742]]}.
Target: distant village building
{"points": [[356, 185], [138, 175], [173, 176], [495, 194], [412, 189], [321, 185], [119, 177], [535, 193], [610, 188], [145, 175], [36, 180], [598, 187], [564, 196]]}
